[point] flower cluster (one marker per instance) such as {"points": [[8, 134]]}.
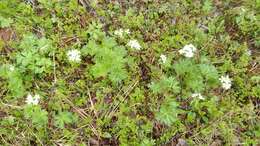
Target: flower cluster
{"points": [[120, 32], [226, 82], [188, 51], [163, 58], [11, 68], [32, 99], [249, 52], [197, 95], [134, 44], [74, 55]]}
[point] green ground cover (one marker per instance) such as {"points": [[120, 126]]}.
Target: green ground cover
{"points": [[133, 72]]}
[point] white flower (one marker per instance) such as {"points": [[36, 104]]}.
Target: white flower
{"points": [[127, 31], [32, 99], [197, 95], [226, 82], [188, 51], [74, 55], [249, 52], [134, 44], [11, 68], [163, 58], [119, 32]]}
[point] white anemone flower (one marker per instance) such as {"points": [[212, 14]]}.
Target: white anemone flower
{"points": [[226, 82], [119, 32], [127, 31], [11, 68], [163, 58], [249, 52], [188, 51], [74, 55], [134, 44], [32, 99], [197, 95]]}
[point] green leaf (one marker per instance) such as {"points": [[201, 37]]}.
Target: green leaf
{"points": [[169, 111], [166, 84], [255, 79], [5, 22], [14, 79], [207, 6], [38, 116], [183, 66], [109, 59], [147, 142], [34, 55], [194, 81], [64, 118], [210, 73]]}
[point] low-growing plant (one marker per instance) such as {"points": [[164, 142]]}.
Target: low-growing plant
{"points": [[108, 56], [34, 56], [125, 73], [63, 118], [5, 22], [169, 111], [14, 80], [38, 116]]}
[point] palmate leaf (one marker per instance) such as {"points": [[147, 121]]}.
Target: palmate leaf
{"points": [[183, 66], [108, 57], [64, 118], [210, 73], [100, 69], [15, 84], [91, 48], [194, 81], [118, 74], [5, 22], [207, 6], [166, 84], [34, 54], [14, 79], [196, 76], [147, 142], [169, 111], [38, 116]]}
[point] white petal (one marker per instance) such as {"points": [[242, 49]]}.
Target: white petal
{"points": [[188, 51], [29, 99], [127, 31], [197, 95], [74, 55], [32, 99], [163, 58], [226, 82], [119, 32], [134, 44], [11, 67]]}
